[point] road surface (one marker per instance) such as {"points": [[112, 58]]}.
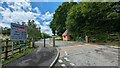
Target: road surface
{"points": [[73, 54]]}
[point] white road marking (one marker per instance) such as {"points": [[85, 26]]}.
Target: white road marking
{"points": [[72, 64], [66, 59], [55, 58], [66, 53], [87, 44], [114, 47], [63, 65], [60, 61], [24, 63], [80, 45]]}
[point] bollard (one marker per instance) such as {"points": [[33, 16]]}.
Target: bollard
{"points": [[86, 38], [44, 42], [33, 43], [53, 41]]}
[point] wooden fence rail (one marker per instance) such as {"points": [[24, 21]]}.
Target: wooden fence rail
{"points": [[10, 49]]}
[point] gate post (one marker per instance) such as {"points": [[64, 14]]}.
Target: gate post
{"points": [[53, 41], [6, 49]]}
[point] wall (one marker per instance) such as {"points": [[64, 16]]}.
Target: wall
{"points": [[66, 38]]}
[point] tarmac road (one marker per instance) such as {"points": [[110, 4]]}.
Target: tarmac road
{"points": [[73, 54]]}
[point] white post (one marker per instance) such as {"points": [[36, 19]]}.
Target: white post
{"points": [[86, 37]]}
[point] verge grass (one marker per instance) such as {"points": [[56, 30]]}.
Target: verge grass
{"points": [[113, 43]]}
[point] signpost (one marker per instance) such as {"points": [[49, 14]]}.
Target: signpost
{"points": [[19, 33]]}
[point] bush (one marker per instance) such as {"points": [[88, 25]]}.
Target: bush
{"points": [[119, 43]]}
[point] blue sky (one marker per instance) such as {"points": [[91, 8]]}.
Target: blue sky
{"points": [[46, 6], [41, 12]]}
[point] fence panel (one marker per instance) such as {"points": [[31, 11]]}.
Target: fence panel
{"points": [[12, 48]]}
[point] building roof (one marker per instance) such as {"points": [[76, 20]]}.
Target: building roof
{"points": [[66, 33]]}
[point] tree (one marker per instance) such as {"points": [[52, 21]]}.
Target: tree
{"points": [[44, 35], [33, 31], [53, 27], [58, 23], [75, 21], [5, 31], [98, 19]]}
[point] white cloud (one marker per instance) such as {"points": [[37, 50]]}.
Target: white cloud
{"points": [[19, 6], [37, 23], [47, 16], [46, 29], [14, 0], [2, 9], [4, 25], [35, 0], [37, 10], [22, 12], [46, 23], [19, 13]]}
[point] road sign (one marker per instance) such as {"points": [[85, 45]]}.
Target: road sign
{"points": [[18, 32]]}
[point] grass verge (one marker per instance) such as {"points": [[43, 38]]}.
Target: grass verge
{"points": [[29, 50], [114, 43]]}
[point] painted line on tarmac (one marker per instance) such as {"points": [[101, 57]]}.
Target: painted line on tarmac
{"points": [[60, 61], [66, 53], [66, 59], [63, 65], [87, 44], [116, 47], [55, 58], [72, 64], [80, 45]]}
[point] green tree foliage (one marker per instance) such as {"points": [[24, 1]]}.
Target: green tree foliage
{"points": [[93, 18], [44, 35], [5, 31], [58, 23], [33, 31]]}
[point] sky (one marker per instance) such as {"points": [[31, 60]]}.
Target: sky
{"points": [[41, 12], [13, 11]]}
